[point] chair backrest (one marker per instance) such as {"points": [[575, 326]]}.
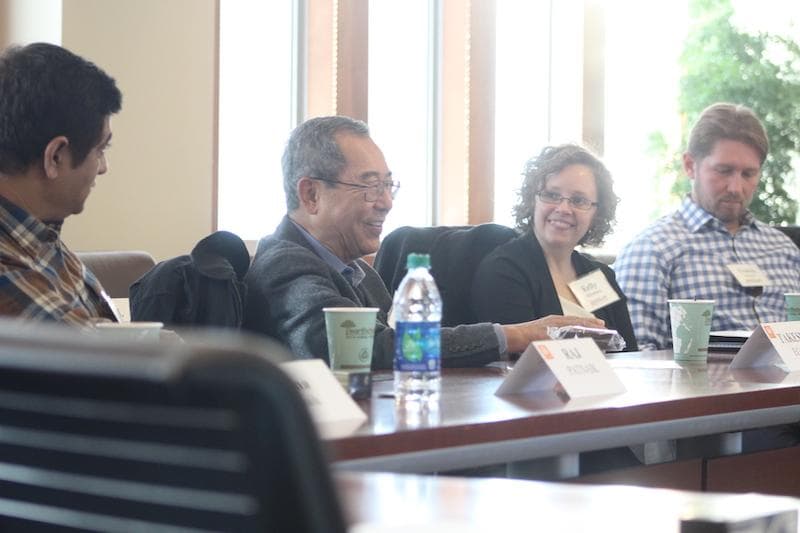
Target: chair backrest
{"points": [[117, 270], [456, 252], [101, 436], [793, 232]]}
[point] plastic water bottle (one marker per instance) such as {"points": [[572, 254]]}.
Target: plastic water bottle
{"points": [[417, 341]]}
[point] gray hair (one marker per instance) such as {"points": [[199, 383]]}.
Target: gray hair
{"points": [[312, 151]]}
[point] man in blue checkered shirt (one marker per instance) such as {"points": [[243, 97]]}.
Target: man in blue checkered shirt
{"points": [[693, 252]]}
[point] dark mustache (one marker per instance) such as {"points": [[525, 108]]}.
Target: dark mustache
{"points": [[731, 198]]}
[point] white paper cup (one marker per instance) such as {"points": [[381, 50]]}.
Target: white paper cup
{"points": [[792, 305], [691, 325], [130, 331], [351, 333]]}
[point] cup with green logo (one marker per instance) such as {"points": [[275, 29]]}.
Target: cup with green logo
{"points": [[792, 306], [351, 331], [691, 325]]}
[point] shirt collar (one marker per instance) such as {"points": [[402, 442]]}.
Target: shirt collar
{"points": [[696, 217], [13, 216], [352, 272]]}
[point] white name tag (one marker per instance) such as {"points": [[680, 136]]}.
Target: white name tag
{"points": [[577, 364], [325, 397], [771, 343], [593, 291], [749, 274], [123, 308]]}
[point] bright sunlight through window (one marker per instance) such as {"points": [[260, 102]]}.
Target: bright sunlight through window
{"points": [[255, 113]]}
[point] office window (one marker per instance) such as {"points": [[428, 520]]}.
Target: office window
{"points": [[642, 77], [401, 103], [256, 113], [538, 88]]}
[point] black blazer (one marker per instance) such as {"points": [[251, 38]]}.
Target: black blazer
{"points": [[513, 284]]}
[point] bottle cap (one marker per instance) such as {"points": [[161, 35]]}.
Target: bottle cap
{"points": [[418, 260]]}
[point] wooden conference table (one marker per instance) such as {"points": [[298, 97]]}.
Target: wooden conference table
{"points": [[473, 427], [396, 502]]}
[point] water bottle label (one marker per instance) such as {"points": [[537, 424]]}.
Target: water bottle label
{"points": [[417, 346]]}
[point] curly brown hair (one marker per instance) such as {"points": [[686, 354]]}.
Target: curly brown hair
{"points": [[551, 161]]}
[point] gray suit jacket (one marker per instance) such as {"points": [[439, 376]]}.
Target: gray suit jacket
{"points": [[288, 285]]}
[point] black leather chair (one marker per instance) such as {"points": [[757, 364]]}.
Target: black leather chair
{"points": [[793, 232], [96, 436], [456, 252]]}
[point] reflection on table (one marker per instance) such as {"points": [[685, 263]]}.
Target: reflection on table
{"points": [[395, 502], [665, 401]]}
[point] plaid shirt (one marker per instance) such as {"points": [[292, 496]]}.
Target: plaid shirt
{"points": [[684, 255], [40, 279]]}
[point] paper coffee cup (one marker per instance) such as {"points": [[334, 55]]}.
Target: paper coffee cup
{"points": [[130, 331], [691, 325], [792, 305], [351, 332]]}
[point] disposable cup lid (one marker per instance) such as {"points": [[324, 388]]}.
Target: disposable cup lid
{"points": [[351, 309], [129, 325]]}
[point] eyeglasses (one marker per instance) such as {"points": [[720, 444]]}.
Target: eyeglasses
{"points": [[372, 193], [554, 198]]}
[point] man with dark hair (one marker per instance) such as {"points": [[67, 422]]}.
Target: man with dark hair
{"points": [[339, 191], [697, 251], [55, 110]]}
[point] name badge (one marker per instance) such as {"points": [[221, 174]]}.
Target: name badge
{"points": [[123, 308], [771, 343], [593, 291], [749, 274], [577, 365], [327, 400]]}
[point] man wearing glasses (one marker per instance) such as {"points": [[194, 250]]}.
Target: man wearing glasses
{"points": [[712, 247], [339, 192]]}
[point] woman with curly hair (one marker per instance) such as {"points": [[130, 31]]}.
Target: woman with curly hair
{"points": [[566, 200]]}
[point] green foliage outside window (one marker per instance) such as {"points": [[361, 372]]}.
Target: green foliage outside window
{"points": [[722, 63]]}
